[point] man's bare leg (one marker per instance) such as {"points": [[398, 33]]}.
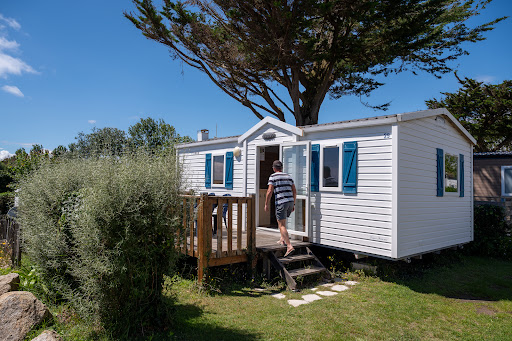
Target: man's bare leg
{"points": [[284, 233]]}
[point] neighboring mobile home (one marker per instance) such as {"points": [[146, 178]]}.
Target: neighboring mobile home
{"points": [[391, 186], [493, 176]]}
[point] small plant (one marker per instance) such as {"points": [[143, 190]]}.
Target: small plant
{"points": [[335, 265], [28, 277]]}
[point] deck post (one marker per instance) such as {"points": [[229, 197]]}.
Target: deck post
{"points": [[251, 231], [202, 262]]}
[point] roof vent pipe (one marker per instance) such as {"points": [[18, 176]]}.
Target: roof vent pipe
{"points": [[202, 135]]}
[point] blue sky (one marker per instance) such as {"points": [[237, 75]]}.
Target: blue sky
{"points": [[69, 66]]}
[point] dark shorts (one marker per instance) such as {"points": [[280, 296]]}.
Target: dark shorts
{"points": [[284, 210]]}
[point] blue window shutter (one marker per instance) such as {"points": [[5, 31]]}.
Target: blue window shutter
{"points": [[461, 170], [229, 170], [440, 172], [350, 167], [315, 167], [208, 171]]}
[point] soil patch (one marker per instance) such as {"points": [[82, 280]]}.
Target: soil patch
{"points": [[485, 310]]}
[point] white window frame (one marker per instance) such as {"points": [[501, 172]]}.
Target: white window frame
{"points": [[340, 166], [444, 172], [223, 171], [503, 194]]}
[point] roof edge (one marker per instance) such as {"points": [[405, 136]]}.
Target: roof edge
{"points": [[435, 112], [270, 120], [207, 142]]}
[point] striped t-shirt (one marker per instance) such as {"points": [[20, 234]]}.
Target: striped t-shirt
{"points": [[282, 183]]}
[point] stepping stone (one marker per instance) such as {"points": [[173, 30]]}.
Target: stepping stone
{"points": [[259, 289], [296, 303], [328, 285], [314, 289], [279, 296], [327, 293], [311, 297], [350, 283], [339, 287]]}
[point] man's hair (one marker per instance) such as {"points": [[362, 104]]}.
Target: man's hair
{"points": [[278, 165]]}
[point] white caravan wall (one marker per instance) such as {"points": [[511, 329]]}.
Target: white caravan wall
{"points": [[427, 222], [193, 161], [359, 222]]}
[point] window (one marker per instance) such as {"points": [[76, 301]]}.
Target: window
{"points": [[506, 181], [451, 171], [330, 168], [218, 170]]}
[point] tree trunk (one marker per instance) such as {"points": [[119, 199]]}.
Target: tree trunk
{"points": [[307, 115]]}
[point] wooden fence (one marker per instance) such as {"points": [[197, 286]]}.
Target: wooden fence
{"points": [[235, 239], [10, 233]]}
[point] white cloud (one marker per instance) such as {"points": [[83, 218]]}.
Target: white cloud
{"points": [[92, 121], [13, 90], [4, 154], [9, 64], [485, 78], [12, 65], [8, 44], [11, 22]]}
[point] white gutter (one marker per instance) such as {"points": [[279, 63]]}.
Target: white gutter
{"points": [[208, 142]]}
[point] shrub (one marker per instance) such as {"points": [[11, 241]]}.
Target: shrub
{"points": [[6, 202], [101, 234], [491, 232]]}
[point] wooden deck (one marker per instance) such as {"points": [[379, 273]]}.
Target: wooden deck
{"points": [[233, 216], [237, 239], [264, 239]]}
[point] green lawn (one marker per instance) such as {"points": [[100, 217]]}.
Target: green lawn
{"points": [[468, 299]]}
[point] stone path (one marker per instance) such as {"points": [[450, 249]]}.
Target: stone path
{"points": [[323, 290]]}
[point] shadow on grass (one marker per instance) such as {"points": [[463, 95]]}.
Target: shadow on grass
{"points": [[453, 275], [188, 325]]}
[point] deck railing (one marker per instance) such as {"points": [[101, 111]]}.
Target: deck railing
{"points": [[235, 220]]}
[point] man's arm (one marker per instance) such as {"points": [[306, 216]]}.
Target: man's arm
{"points": [[269, 195]]}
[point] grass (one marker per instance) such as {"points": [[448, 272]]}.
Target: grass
{"points": [[459, 298], [470, 299]]}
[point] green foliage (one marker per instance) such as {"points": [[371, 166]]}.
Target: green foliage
{"points": [[22, 163], [485, 110], [154, 136], [28, 277], [492, 235], [6, 201], [101, 142], [311, 48], [101, 231], [5, 177]]}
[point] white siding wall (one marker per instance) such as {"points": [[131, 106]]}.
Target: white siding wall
{"points": [[193, 161], [427, 222], [359, 222]]}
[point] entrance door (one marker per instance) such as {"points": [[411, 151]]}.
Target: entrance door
{"points": [[295, 158]]}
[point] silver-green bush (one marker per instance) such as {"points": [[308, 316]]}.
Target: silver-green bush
{"points": [[101, 233]]}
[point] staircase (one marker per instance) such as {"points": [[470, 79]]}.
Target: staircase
{"points": [[300, 264]]}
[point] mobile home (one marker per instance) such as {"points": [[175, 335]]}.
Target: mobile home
{"points": [[391, 186]]}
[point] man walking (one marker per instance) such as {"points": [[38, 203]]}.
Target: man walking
{"points": [[281, 184]]}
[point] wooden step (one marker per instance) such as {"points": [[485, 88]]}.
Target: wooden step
{"points": [[277, 247], [313, 269], [295, 258]]}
